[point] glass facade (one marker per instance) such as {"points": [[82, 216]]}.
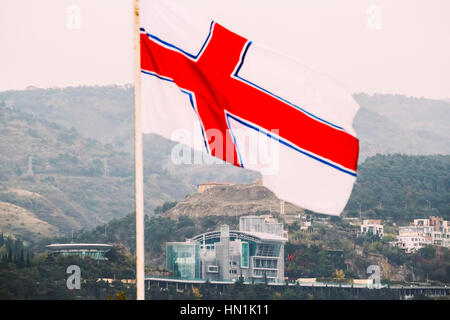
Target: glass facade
{"points": [[94, 251], [183, 259], [244, 254], [268, 250], [261, 273], [97, 255], [265, 263]]}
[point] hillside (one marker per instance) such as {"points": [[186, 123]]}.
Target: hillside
{"points": [[385, 123], [398, 124], [74, 182], [233, 200], [16, 220], [319, 252], [396, 187], [80, 141], [402, 187], [77, 182]]}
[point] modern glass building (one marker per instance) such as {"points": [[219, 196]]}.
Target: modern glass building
{"points": [[254, 253], [92, 250], [183, 259]]}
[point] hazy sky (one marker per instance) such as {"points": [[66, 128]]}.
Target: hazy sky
{"points": [[387, 46]]}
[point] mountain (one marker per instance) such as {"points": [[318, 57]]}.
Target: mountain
{"points": [[395, 187], [385, 123], [231, 200], [402, 188], [397, 124], [65, 185], [54, 180], [103, 113], [80, 143]]}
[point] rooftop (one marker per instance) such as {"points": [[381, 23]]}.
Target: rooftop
{"points": [[243, 235], [79, 246]]}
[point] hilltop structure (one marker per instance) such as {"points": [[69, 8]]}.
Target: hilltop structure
{"points": [[208, 185]]}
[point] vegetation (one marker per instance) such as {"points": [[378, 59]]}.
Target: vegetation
{"points": [[401, 188], [80, 141], [15, 253], [45, 277], [167, 205]]}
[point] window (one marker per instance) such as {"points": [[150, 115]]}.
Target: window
{"points": [[213, 269], [244, 254], [266, 273], [264, 263], [268, 250]]}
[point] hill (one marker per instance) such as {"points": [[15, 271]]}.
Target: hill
{"points": [[397, 124], [16, 220], [402, 187], [74, 182], [396, 187], [80, 141], [57, 178], [233, 200], [385, 123]]}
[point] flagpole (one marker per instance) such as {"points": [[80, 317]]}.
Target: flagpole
{"points": [[139, 172]]}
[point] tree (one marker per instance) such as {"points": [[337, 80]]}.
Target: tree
{"points": [[118, 296], [20, 262], [196, 293], [428, 252], [340, 275]]}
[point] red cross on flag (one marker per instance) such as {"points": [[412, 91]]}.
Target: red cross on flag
{"points": [[216, 91]]}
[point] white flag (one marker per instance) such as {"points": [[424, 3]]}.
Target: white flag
{"points": [[208, 86]]}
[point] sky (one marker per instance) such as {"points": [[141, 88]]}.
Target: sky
{"points": [[383, 46]]}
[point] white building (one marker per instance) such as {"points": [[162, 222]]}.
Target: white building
{"points": [[372, 226], [411, 243], [446, 234], [422, 232]]}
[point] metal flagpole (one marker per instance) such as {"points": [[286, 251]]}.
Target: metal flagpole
{"points": [[139, 176]]}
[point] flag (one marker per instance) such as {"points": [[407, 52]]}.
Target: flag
{"points": [[209, 87]]}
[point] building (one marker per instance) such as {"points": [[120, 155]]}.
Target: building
{"points": [[208, 185], [436, 223], [422, 232], [414, 237], [412, 242], [372, 226], [253, 253], [95, 251]]}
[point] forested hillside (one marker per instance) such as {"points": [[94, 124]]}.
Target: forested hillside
{"points": [[402, 187], [74, 183], [77, 182], [396, 187]]}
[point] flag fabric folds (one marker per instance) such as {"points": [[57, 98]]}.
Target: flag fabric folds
{"points": [[218, 92]]}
